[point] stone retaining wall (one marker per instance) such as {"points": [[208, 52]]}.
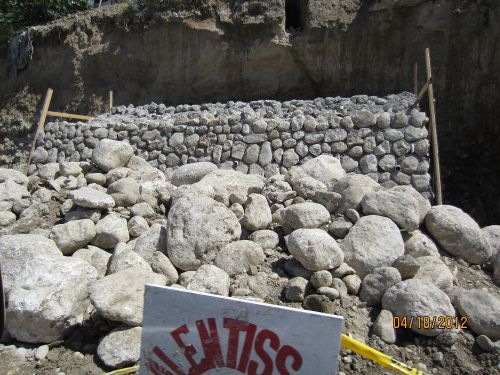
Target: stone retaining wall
{"points": [[384, 138]]}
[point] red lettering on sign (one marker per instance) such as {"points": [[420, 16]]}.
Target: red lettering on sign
{"points": [[166, 359], [234, 326], [285, 352], [211, 347], [188, 350], [274, 343], [247, 347]]}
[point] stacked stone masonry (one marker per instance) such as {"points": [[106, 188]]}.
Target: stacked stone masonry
{"points": [[384, 138]]}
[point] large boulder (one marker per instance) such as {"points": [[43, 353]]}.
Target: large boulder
{"points": [[233, 182], [418, 298], [190, 173], [111, 154], [91, 198], [482, 310], [12, 174], [257, 213], [110, 230], [315, 249], [424, 205], [376, 284], [237, 257], [120, 347], [47, 292], [11, 191], [125, 192], [458, 234], [97, 257], [120, 296], [73, 235], [417, 244], [155, 239], [353, 189], [210, 279], [374, 241], [492, 234], [324, 168], [305, 215], [198, 228], [435, 271], [400, 207]]}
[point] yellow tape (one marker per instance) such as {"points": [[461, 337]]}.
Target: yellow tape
{"points": [[376, 356], [124, 371]]}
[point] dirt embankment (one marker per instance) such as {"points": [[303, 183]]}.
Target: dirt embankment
{"points": [[243, 52]]}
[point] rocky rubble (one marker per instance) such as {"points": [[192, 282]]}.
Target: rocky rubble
{"points": [[318, 237]]}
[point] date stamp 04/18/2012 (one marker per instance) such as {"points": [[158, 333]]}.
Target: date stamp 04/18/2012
{"points": [[429, 322]]}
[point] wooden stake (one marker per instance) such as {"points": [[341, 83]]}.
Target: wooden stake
{"points": [[41, 122], [415, 79], [110, 101], [435, 150], [69, 115], [422, 92]]}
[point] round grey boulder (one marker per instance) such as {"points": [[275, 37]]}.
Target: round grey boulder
{"points": [[191, 173], [111, 154], [237, 257], [482, 310], [305, 215], [315, 249]]}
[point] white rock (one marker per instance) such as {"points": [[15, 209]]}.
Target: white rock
{"points": [[257, 213], [412, 298], [91, 198], [41, 352], [11, 191], [374, 241], [96, 257], [198, 228], [307, 187], [12, 174], [424, 205], [418, 245], [137, 226], [482, 310], [142, 209], [120, 296], [315, 249], [210, 279], [73, 235], [7, 218], [384, 327], [237, 257], [110, 230], [324, 168], [352, 283], [305, 215], [492, 234], [190, 173], [400, 207], [321, 278], [435, 271], [267, 239], [458, 234], [125, 192], [155, 239], [69, 168], [127, 259], [111, 154], [160, 263], [331, 293], [47, 292], [120, 347], [295, 290], [353, 188], [233, 182]]}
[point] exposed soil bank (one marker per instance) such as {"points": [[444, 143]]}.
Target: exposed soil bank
{"points": [[242, 52]]}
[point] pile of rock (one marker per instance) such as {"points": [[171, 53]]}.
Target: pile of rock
{"points": [[81, 239], [384, 138]]}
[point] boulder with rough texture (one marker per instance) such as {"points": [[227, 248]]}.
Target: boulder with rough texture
{"points": [[324, 168], [295, 290], [376, 284], [307, 187], [137, 226], [47, 292], [191, 173], [412, 298], [424, 205], [11, 191], [155, 239], [91, 198], [73, 235], [127, 259], [482, 310], [12, 174], [120, 296], [160, 263], [109, 231], [353, 189], [305, 215], [111, 154], [198, 228], [125, 192], [210, 279], [492, 234], [374, 241], [96, 257], [237, 257], [267, 239], [458, 234], [233, 182], [315, 249], [257, 213], [435, 271], [384, 327], [400, 207], [120, 347], [418, 244]]}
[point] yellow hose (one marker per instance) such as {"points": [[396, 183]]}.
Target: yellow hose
{"points": [[124, 371]]}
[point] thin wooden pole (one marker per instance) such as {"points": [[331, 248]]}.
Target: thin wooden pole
{"points": [[110, 101], [69, 115], [41, 122], [415, 78], [422, 92], [435, 150]]}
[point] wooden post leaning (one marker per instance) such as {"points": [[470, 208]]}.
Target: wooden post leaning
{"points": [[433, 131], [41, 122], [415, 79]]}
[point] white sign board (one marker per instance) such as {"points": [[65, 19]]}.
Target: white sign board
{"points": [[186, 332]]}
